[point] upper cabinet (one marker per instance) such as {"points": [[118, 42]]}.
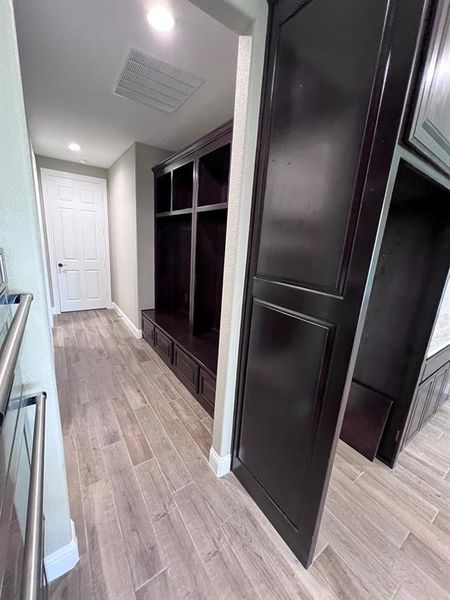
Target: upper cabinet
{"points": [[430, 131]]}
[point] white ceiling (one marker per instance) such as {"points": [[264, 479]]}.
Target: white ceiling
{"points": [[72, 52]]}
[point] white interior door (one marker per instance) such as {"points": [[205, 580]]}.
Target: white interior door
{"points": [[76, 206]]}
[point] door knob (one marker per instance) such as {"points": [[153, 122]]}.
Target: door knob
{"points": [[60, 265]]}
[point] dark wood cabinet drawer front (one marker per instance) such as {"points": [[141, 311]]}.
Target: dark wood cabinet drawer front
{"points": [[148, 331], [164, 346], [185, 368], [207, 387], [420, 402]]}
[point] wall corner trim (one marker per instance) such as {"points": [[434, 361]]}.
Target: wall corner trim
{"points": [[128, 322], [221, 465], [64, 559]]}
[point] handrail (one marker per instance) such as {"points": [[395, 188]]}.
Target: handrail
{"points": [[32, 561], [10, 351]]}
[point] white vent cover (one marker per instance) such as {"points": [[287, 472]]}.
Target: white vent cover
{"points": [[153, 82]]}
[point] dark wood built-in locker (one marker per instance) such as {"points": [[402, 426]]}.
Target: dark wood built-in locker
{"points": [[335, 82], [191, 199]]}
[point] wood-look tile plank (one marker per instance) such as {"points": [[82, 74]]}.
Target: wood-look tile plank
{"points": [[155, 399], [90, 458], [107, 424], [184, 564], [422, 455], [331, 568], [138, 533], [427, 474], [182, 411], [67, 406], [298, 582], [101, 362], [197, 465], [132, 433], [405, 505], [169, 460], [161, 587], [221, 564], [200, 435], [379, 581], [427, 560], [438, 498], [403, 594], [154, 488], [393, 559], [376, 514], [254, 560], [131, 388], [350, 470], [110, 570], [208, 423], [417, 502], [442, 522], [75, 495]]}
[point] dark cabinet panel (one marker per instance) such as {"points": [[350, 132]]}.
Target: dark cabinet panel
{"points": [[336, 77], [424, 393], [193, 358], [279, 412], [434, 399], [322, 88], [191, 195], [430, 131], [207, 389], [185, 368], [365, 418], [164, 346], [148, 331]]}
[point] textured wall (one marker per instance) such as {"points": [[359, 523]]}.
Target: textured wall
{"points": [[131, 229], [122, 233], [20, 239], [44, 162], [246, 115]]}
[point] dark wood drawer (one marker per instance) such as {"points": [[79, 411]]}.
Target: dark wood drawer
{"points": [[185, 368], [163, 346], [148, 331], [207, 388]]}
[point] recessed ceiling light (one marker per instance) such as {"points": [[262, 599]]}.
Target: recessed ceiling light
{"points": [[160, 18], [75, 147]]}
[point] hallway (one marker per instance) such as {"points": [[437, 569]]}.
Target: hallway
{"points": [[153, 521]]}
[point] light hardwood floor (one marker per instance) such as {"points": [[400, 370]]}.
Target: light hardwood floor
{"points": [[154, 523]]}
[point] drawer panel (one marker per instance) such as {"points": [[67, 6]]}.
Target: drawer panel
{"points": [[207, 387], [148, 331], [163, 345], [185, 368]]}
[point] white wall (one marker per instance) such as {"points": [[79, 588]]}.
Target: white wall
{"points": [[131, 235], [20, 239], [44, 162]]}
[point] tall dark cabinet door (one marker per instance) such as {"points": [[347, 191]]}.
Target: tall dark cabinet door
{"points": [[430, 131], [335, 77]]}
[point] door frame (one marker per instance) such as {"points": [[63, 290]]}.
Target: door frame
{"points": [[45, 174]]}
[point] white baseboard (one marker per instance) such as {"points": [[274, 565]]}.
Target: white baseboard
{"points": [[64, 559], [131, 326], [219, 464]]}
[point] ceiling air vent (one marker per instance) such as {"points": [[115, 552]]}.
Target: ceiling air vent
{"points": [[155, 83]]}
